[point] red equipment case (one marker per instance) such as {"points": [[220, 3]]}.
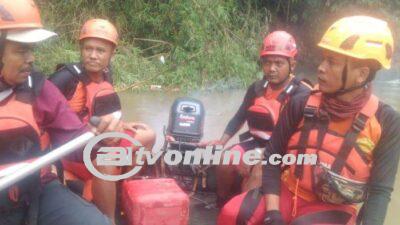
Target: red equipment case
{"points": [[155, 202]]}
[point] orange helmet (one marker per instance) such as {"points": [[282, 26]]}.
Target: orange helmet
{"points": [[99, 28], [21, 20]]}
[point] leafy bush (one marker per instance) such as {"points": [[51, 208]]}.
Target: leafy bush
{"points": [[206, 43]]}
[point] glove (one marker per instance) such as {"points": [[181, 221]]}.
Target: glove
{"points": [[273, 217]]}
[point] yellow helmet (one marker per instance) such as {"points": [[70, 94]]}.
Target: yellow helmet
{"points": [[361, 37]]}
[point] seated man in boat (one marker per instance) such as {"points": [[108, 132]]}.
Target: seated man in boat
{"points": [[261, 107], [34, 117], [353, 135], [88, 88]]}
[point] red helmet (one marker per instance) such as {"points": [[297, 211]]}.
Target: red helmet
{"points": [[279, 43]]}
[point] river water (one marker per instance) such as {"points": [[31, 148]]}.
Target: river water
{"points": [[153, 108]]}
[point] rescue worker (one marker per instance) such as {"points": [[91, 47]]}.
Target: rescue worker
{"points": [[35, 116], [261, 107], [88, 88], [354, 136]]}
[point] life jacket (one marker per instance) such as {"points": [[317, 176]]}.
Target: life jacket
{"points": [[344, 147], [85, 97], [263, 115], [94, 99], [19, 133], [101, 99], [21, 139]]}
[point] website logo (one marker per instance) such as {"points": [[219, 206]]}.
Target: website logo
{"points": [[111, 156], [211, 155]]}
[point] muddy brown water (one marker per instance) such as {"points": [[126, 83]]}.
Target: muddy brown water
{"points": [[153, 109]]}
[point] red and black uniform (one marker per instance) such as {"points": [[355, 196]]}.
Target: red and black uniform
{"points": [[361, 151], [260, 108]]}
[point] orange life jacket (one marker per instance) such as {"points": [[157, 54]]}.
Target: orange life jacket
{"points": [[85, 97], [345, 147], [18, 125], [263, 115], [89, 99], [20, 137], [95, 99]]}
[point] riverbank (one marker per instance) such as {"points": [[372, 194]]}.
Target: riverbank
{"points": [[192, 44], [131, 70]]}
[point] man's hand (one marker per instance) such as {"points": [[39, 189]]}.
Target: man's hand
{"points": [[273, 217], [169, 138], [222, 141], [134, 126], [204, 144], [109, 123]]}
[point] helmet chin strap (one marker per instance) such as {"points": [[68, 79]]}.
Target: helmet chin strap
{"points": [[344, 90]]}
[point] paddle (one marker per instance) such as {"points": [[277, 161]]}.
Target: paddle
{"points": [[19, 171]]}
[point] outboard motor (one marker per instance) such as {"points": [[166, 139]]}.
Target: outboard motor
{"points": [[186, 123]]}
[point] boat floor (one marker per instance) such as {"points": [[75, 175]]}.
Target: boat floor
{"points": [[203, 210]]}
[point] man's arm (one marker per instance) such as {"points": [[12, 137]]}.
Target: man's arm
{"points": [[383, 173], [286, 126], [55, 117], [239, 118]]}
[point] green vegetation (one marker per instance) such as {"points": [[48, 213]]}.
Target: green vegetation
{"points": [[206, 43]]}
